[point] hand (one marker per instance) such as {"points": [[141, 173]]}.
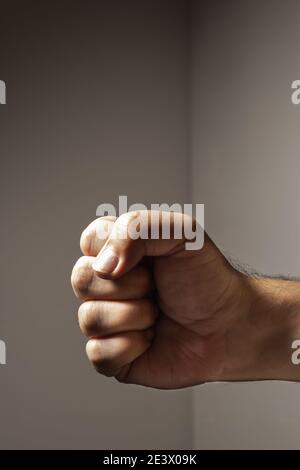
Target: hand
{"points": [[165, 317]]}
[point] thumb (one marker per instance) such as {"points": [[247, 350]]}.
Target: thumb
{"points": [[143, 233]]}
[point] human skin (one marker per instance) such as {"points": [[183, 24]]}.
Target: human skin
{"points": [[162, 316]]}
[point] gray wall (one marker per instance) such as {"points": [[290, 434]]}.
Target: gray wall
{"points": [[96, 107], [246, 166]]}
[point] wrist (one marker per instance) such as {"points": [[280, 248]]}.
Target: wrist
{"points": [[259, 345]]}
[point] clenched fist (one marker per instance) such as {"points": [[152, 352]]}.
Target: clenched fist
{"points": [[162, 316]]}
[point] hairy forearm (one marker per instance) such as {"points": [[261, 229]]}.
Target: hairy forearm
{"points": [[259, 346]]}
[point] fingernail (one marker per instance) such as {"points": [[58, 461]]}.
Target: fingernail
{"points": [[107, 262]]}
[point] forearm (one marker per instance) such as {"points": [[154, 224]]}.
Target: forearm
{"points": [[259, 347]]}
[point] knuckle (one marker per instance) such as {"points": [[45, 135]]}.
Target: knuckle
{"points": [[126, 218], [86, 240], [103, 228], [121, 228], [82, 276], [92, 351], [87, 319], [102, 365], [98, 231]]}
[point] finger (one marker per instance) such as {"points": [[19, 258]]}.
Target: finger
{"points": [[110, 355], [95, 235], [163, 234], [99, 318], [87, 285]]}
